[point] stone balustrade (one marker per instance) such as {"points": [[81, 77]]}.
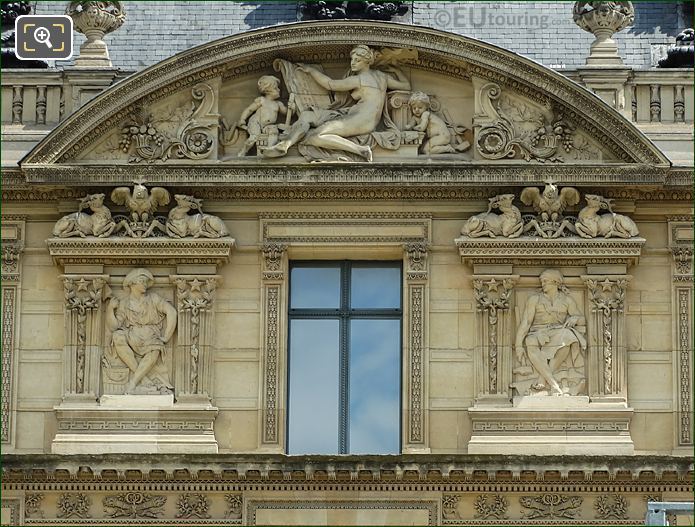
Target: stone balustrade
{"points": [[662, 96]]}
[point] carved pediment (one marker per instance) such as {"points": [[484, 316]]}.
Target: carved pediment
{"points": [[367, 92]]}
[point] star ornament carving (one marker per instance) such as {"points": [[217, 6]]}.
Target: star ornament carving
{"points": [[492, 285], [196, 285], [607, 286], [82, 285]]}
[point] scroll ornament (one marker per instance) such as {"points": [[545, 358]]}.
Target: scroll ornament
{"points": [[145, 134], [505, 137]]}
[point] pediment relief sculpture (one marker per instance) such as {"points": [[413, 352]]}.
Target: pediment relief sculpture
{"points": [[188, 131], [140, 323], [513, 128], [595, 220], [345, 119], [185, 220], [550, 343]]}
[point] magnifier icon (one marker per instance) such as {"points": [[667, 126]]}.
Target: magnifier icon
{"points": [[42, 36]]}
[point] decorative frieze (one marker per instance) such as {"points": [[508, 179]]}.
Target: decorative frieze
{"points": [[32, 505], [611, 506], [193, 506], [551, 506], [74, 505], [491, 507], [134, 505]]}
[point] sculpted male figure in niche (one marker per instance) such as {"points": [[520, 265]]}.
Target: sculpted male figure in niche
{"points": [[551, 335], [141, 323], [330, 128]]}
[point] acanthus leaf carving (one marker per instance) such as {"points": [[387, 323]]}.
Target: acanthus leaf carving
{"points": [[683, 259], [272, 259], [11, 254], [417, 260]]}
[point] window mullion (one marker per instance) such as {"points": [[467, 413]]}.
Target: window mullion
{"points": [[343, 433]]}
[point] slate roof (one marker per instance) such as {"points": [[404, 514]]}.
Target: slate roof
{"points": [[543, 31]]}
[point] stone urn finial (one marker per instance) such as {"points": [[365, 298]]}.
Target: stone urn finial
{"points": [[603, 19], [95, 19]]}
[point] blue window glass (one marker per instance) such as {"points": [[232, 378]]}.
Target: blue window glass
{"points": [[344, 358]]}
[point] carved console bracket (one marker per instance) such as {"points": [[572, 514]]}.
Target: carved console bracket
{"points": [[338, 236]]}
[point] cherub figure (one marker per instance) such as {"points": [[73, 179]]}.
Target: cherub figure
{"points": [[261, 116], [436, 130]]}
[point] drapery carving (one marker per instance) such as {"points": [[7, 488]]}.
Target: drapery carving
{"points": [[83, 297], [493, 357], [550, 344], [607, 353], [195, 296]]}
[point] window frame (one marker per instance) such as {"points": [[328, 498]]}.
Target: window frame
{"points": [[345, 315]]}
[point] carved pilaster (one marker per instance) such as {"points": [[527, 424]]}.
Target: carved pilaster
{"points": [[274, 295], [680, 241], [84, 321], [195, 296], [607, 353], [493, 360], [415, 316], [12, 249]]}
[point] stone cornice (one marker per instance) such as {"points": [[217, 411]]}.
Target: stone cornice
{"points": [[439, 173], [567, 251], [139, 251], [435, 467]]}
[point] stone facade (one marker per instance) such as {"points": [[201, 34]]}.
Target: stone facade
{"points": [[546, 253]]}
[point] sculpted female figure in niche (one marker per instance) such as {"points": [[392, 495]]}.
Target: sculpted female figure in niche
{"points": [[141, 323], [332, 127]]}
